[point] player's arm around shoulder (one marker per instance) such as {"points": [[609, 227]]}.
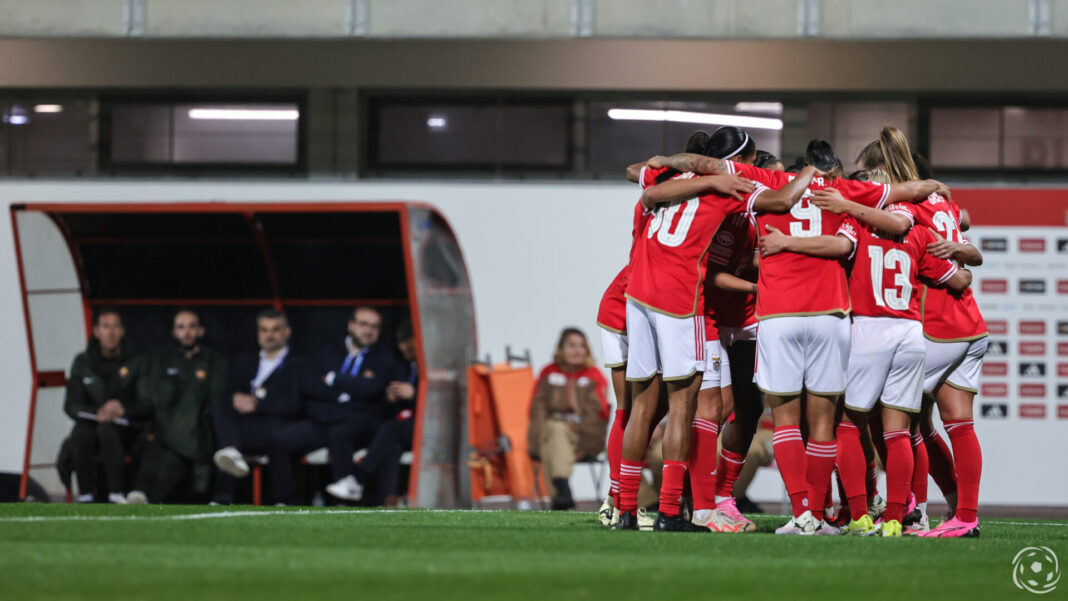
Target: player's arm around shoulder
{"points": [[774, 242], [768, 200]]}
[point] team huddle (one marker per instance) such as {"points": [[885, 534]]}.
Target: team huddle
{"points": [[843, 303]]}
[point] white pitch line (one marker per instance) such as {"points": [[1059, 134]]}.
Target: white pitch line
{"points": [[219, 514]]}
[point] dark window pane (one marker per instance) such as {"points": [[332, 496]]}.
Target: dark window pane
{"points": [[1035, 138], [46, 138], [965, 137], [624, 133], [199, 133], [457, 135]]}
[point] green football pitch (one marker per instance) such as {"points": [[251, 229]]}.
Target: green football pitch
{"points": [[61, 552]]}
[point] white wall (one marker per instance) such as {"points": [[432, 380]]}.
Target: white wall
{"points": [[539, 256]]}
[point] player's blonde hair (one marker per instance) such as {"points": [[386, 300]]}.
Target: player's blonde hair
{"points": [[897, 156], [558, 356]]}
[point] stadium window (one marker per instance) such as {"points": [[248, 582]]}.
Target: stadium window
{"points": [[621, 133], [151, 134], [46, 136], [1034, 138], [965, 138], [477, 134], [850, 126]]}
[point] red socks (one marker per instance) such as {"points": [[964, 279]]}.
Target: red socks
{"points": [[703, 463], [852, 470], [630, 478], [969, 461], [919, 468], [615, 451], [820, 457], [730, 465], [671, 487], [940, 463], [790, 457], [898, 473]]}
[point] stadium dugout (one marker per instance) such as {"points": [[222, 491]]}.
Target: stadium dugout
{"points": [[316, 261]]}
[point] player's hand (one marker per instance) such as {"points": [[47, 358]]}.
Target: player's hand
{"points": [[942, 189], [941, 248], [773, 242], [730, 185], [830, 200], [657, 162], [109, 411]]}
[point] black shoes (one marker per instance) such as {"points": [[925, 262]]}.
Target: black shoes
{"points": [[628, 520], [674, 523], [563, 500]]}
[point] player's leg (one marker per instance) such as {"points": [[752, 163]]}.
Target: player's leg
{"points": [[703, 438], [681, 348], [614, 345], [870, 360], [826, 365], [737, 435], [916, 520], [642, 366], [899, 466], [940, 458], [955, 397], [780, 376]]}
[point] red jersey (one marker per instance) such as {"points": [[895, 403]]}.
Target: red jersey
{"points": [[947, 317], [885, 281], [797, 284], [612, 312], [732, 252], [669, 265]]}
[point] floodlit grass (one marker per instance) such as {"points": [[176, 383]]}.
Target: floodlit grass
{"points": [[59, 552]]}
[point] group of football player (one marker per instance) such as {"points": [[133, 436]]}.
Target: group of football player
{"points": [[840, 301]]}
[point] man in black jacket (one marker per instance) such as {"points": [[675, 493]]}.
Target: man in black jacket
{"points": [[394, 435], [262, 396], [102, 400], [182, 384], [344, 394]]}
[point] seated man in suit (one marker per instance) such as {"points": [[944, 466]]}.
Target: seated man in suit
{"points": [[262, 396], [344, 394], [394, 435]]}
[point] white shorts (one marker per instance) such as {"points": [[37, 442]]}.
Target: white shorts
{"points": [[614, 346], [804, 351], [717, 366], [729, 335], [674, 346], [885, 363], [959, 364]]}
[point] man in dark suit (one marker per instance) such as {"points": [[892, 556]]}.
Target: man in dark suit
{"points": [[344, 395], [262, 396], [394, 435]]}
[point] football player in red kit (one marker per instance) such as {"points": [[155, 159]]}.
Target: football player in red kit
{"points": [[956, 340], [664, 327], [886, 359]]}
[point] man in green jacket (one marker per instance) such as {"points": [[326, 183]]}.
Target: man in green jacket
{"points": [[102, 400], [180, 384]]}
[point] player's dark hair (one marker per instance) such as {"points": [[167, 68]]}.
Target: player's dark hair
{"points": [[765, 158], [923, 166], [696, 142], [798, 164], [820, 155], [102, 311], [728, 142]]}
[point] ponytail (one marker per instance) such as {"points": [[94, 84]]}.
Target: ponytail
{"points": [[897, 157]]}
